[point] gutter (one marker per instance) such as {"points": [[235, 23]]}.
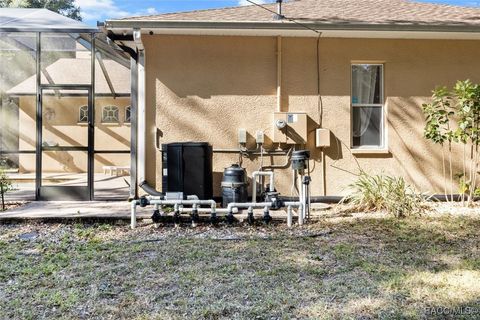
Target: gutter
{"points": [[286, 26]]}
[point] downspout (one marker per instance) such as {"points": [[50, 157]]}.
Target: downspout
{"points": [[141, 116], [279, 16]]}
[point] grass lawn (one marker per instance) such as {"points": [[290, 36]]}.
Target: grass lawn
{"points": [[337, 268]]}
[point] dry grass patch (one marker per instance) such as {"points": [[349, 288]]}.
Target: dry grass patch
{"points": [[338, 268], [453, 287]]}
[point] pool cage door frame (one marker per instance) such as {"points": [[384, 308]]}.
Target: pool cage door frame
{"points": [[78, 193], [66, 192]]}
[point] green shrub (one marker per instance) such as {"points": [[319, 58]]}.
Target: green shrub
{"points": [[380, 192], [5, 186]]}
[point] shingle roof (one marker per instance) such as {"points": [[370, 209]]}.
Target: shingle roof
{"points": [[391, 12]]}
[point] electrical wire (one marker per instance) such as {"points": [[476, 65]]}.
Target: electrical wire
{"points": [[319, 33], [339, 144]]}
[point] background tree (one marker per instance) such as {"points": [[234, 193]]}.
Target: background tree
{"points": [[66, 8]]}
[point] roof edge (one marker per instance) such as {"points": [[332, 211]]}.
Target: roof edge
{"points": [[47, 30], [275, 25]]}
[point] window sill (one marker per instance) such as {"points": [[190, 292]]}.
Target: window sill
{"points": [[82, 124], [369, 151]]}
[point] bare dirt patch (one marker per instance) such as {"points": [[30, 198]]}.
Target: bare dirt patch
{"points": [[12, 205]]}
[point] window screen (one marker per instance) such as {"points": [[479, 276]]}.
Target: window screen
{"points": [[367, 105]]}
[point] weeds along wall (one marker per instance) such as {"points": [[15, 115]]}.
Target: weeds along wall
{"points": [[204, 88]]}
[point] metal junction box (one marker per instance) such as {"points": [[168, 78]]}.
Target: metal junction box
{"points": [[290, 127], [322, 138]]}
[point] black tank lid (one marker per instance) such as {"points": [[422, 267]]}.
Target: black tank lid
{"points": [[301, 155]]}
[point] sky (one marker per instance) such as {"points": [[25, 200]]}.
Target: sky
{"points": [[99, 10]]}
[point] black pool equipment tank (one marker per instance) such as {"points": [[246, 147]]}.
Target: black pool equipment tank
{"points": [[187, 168], [300, 159], [234, 185]]}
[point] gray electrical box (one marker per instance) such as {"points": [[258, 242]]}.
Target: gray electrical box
{"points": [[290, 127]]}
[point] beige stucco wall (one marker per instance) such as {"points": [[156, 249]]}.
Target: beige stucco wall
{"points": [[204, 88], [63, 128]]}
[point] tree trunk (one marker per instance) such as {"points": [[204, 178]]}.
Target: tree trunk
{"points": [[3, 197], [464, 172], [451, 169], [444, 173], [473, 183]]}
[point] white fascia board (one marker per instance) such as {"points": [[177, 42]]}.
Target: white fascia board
{"points": [[308, 33]]}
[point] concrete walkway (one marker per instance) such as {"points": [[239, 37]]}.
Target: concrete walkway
{"points": [[73, 210]]}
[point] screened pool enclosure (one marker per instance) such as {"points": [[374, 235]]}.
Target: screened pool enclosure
{"points": [[64, 109]]}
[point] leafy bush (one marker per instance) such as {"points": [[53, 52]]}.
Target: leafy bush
{"points": [[380, 192], [453, 117]]}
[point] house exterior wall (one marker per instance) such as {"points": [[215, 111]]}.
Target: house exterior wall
{"points": [[63, 128], [204, 88]]}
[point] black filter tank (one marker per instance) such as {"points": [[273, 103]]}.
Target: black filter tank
{"points": [[234, 185], [187, 168], [300, 159]]}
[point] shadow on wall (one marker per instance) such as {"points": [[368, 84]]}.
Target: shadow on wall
{"points": [[65, 159], [113, 135], [419, 159], [202, 86]]}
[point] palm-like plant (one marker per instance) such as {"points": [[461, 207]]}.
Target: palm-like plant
{"points": [[381, 192]]}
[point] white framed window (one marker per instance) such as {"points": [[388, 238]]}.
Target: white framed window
{"points": [[128, 114], [83, 114], [110, 114], [367, 100]]}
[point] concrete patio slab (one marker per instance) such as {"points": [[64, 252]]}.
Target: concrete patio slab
{"points": [[106, 187], [43, 210], [73, 210]]}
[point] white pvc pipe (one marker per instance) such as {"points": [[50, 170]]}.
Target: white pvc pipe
{"points": [[205, 210], [300, 216], [289, 217], [299, 205], [175, 203], [133, 217], [303, 212], [194, 208], [256, 174], [247, 205], [212, 203], [232, 208]]}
